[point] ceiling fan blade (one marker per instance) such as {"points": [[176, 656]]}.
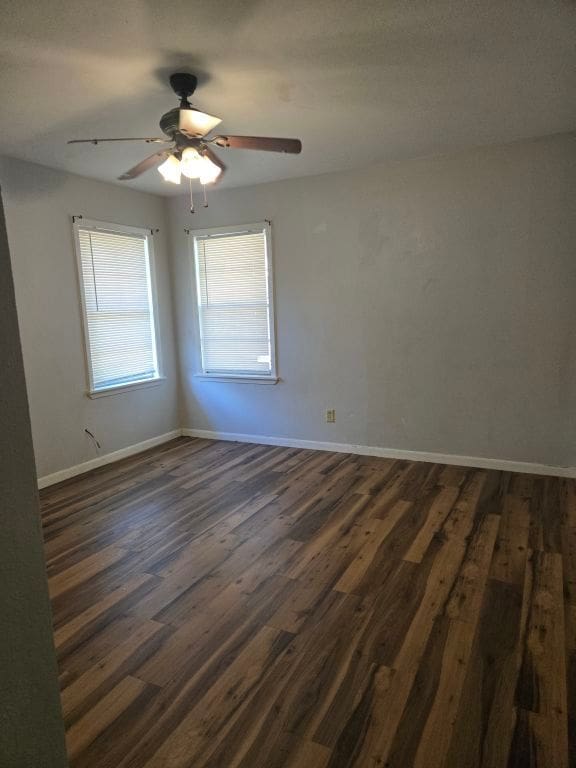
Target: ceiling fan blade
{"points": [[145, 165], [215, 159], [293, 146], [148, 140], [196, 124]]}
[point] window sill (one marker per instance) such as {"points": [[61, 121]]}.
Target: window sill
{"points": [[128, 387], [232, 379]]}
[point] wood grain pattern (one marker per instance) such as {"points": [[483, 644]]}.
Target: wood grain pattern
{"points": [[223, 605]]}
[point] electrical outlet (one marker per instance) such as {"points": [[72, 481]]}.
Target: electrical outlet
{"points": [[330, 416]]}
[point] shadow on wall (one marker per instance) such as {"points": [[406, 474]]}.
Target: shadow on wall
{"points": [[31, 726], [18, 187]]}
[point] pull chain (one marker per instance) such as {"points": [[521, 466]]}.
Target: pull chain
{"points": [[191, 197], [205, 198]]}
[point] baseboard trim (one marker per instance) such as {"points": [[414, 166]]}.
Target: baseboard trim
{"points": [[290, 442], [389, 453], [107, 458]]}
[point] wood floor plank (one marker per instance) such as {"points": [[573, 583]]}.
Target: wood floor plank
{"points": [[120, 662], [462, 615], [221, 701], [468, 592], [509, 562], [297, 689], [569, 562], [542, 690], [309, 754], [85, 569], [356, 571], [439, 510], [486, 719], [227, 605], [393, 699], [439, 729], [84, 731], [86, 622]]}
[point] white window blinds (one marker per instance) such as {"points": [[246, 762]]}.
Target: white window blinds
{"points": [[118, 308], [233, 276]]}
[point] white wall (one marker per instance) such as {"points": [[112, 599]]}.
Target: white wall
{"points": [[39, 204], [431, 302]]}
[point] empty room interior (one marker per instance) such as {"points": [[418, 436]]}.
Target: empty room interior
{"points": [[288, 402]]}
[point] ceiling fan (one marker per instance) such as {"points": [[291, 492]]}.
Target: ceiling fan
{"points": [[190, 153]]}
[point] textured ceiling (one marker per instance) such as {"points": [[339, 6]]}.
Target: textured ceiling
{"points": [[358, 80]]}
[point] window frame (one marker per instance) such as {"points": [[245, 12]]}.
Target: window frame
{"points": [[256, 378], [78, 224]]}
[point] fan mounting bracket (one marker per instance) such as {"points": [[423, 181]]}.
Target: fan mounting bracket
{"points": [[183, 84]]}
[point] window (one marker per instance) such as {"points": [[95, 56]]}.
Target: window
{"points": [[234, 296], [116, 285]]}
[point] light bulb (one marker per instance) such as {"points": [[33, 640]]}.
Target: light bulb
{"points": [[170, 170]]}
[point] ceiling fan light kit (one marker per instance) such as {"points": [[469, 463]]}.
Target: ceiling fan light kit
{"points": [[190, 155]]}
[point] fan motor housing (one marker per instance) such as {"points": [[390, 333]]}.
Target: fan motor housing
{"points": [[169, 122]]}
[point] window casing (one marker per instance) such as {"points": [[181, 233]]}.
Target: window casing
{"points": [[117, 289], [235, 303]]}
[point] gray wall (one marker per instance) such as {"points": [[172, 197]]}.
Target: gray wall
{"points": [[39, 203], [31, 728], [430, 302]]}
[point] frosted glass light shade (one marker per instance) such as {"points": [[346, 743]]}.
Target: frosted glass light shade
{"points": [[170, 170], [192, 164], [197, 166], [210, 171], [194, 123]]}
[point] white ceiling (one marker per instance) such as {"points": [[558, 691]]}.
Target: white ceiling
{"points": [[357, 80]]}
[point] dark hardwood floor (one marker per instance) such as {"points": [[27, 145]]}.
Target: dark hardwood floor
{"points": [[223, 605]]}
